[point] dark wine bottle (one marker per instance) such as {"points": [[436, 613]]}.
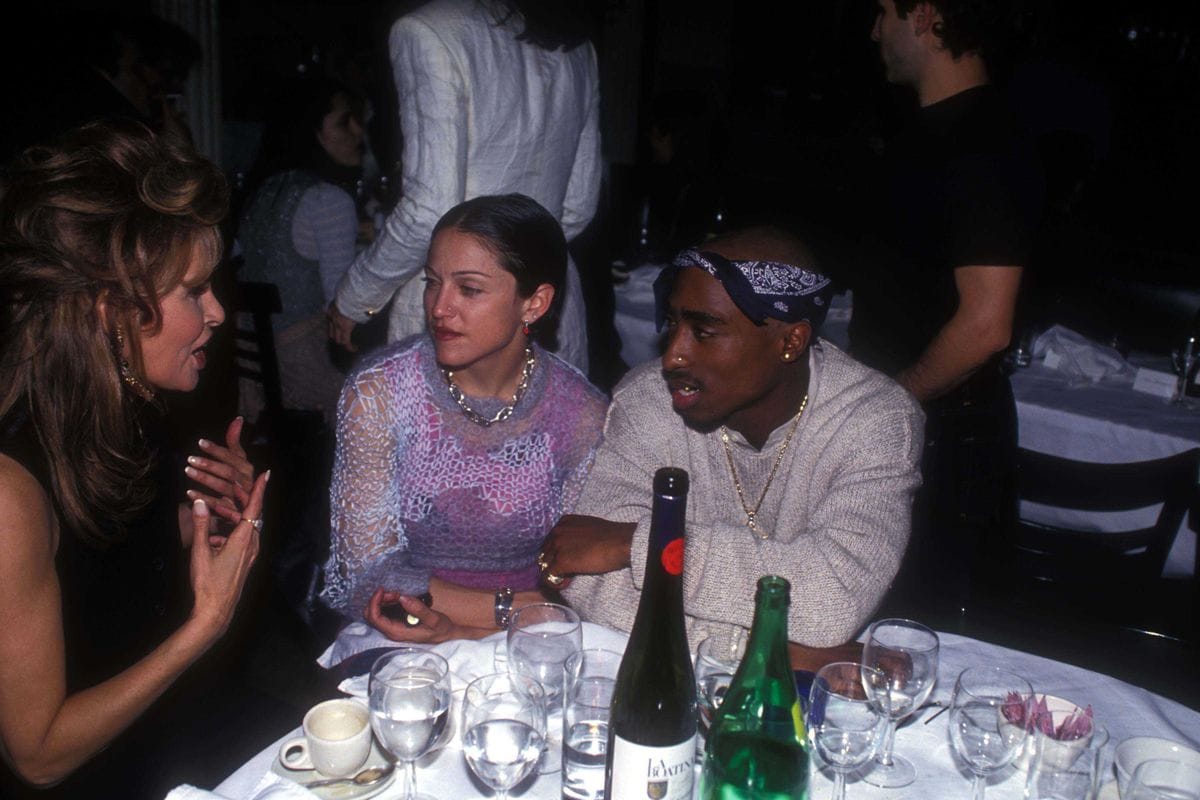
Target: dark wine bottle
{"points": [[756, 745], [652, 728]]}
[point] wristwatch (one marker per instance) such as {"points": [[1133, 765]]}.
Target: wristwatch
{"points": [[503, 607]]}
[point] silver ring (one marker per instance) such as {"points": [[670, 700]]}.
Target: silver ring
{"points": [[256, 523]]}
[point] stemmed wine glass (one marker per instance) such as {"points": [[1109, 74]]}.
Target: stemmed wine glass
{"points": [[906, 652], [504, 729], [845, 718], [988, 716], [409, 700], [541, 637]]}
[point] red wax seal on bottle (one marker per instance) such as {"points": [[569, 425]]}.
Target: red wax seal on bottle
{"points": [[672, 556]]}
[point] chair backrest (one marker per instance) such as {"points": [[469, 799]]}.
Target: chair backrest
{"points": [[254, 351], [1048, 553]]}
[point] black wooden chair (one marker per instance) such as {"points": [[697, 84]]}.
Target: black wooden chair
{"points": [[1117, 575]]}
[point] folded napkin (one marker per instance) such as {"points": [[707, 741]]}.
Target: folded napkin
{"points": [[468, 658], [1080, 359], [271, 787]]}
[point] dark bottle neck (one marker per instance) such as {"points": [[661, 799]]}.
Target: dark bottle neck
{"points": [[665, 547]]}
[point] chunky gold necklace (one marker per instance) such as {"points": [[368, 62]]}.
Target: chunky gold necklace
{"points": [[752, 513], [503, 413]]}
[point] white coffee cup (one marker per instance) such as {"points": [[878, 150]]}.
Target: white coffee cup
{"points": [[336, 741]]}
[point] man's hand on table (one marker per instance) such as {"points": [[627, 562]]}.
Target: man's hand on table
{"points": [[812, 659], [580, 545], [433, 626]]}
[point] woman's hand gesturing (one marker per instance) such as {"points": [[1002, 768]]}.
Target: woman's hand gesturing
{"points": [[225, 473], [220, 566]]}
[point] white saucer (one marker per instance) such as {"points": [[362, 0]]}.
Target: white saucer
{"points": [[1108, 792], [343, 791]]}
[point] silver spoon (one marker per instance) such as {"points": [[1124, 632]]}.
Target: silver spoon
{"points": [[368, 777]]}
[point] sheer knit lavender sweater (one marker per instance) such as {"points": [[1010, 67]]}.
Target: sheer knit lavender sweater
{"points": [[420, 490]]}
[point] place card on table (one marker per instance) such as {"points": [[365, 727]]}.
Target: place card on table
{"points": [[1152, 381]]}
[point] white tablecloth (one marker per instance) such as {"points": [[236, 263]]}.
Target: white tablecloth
{"points": [[1126, 710], [1104, 424]]}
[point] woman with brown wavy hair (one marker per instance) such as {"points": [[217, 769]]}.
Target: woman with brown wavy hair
{"points": [[107, 243]]}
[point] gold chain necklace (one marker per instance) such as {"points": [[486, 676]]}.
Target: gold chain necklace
{"points": [[752, 513], [503, 413]]}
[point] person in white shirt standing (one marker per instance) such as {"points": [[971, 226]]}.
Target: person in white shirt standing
{"points": [[494, 97]]}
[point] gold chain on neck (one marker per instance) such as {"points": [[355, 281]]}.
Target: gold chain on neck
{"points": [[505, 412], [752, 513]]}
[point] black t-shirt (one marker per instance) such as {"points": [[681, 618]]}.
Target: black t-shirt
{"points": [[960, 188]]}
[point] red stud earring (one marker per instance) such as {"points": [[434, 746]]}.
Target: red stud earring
{"points": [[525, 327]]}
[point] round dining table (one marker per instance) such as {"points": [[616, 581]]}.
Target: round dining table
{"points": [[1125, 710]]}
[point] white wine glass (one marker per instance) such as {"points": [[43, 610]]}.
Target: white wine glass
{"points": [[541, 637], [845, 718], [409, 701], [988, 715], [906, 652], [504, 729]]}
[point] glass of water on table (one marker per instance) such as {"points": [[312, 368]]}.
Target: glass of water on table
{"points": [[409, 702], [504, 729], [540, 639], [588, 680], [717, 660]]}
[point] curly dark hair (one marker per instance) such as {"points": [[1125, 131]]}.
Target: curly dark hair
{"points": [[966, 26]]}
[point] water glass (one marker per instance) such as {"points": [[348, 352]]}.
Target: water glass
{"points": [[906, 652], [409, 700], [845, 718], [1065, 769], [988, 715], [540, 639], [504, 729], [589, 677], [717, 660], [1164, 779]]}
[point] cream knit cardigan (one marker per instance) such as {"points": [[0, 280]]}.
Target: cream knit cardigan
{"points": [[839, 510]]}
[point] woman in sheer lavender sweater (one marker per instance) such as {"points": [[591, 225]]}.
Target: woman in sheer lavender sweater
{"points": [[459, 449]]}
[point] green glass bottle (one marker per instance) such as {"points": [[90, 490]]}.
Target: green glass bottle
{"points": [[756, 746]]}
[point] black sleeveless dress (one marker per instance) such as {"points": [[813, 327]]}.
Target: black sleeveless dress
{"points": [[118, 604]]}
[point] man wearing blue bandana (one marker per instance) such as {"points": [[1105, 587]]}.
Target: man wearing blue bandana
{"points": [[803, 462]]}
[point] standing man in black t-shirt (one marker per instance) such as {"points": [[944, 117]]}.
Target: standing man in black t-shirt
{"points": [[956, 216]]}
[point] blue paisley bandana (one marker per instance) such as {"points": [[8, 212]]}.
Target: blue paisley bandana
{"points": [[761, 289]]}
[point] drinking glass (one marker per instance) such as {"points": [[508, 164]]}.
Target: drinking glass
{"points": [[717, 660], [1065, 769], [1184, 361], [540, 639], [590, 676], [906, 652], [409, 700], [504, 728], [845, 718], [988, 716], [1164, 779]]}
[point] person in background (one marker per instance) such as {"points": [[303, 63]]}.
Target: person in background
{"points": [[459, 448], [494, 97], [802, 462], [110, 588], [298, 232], [958, 207]]}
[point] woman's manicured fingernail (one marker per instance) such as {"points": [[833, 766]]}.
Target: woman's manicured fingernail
{"points": [[195, 462], [191, 473], [205, 443]]}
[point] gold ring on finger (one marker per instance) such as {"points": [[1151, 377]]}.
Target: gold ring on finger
{"points": [[554, 580]]}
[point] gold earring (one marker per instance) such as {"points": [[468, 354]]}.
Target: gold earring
{"points": [[128, 377]]}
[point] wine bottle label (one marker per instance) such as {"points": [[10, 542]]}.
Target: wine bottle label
{"points": [[652, 773], [672, 556]]}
